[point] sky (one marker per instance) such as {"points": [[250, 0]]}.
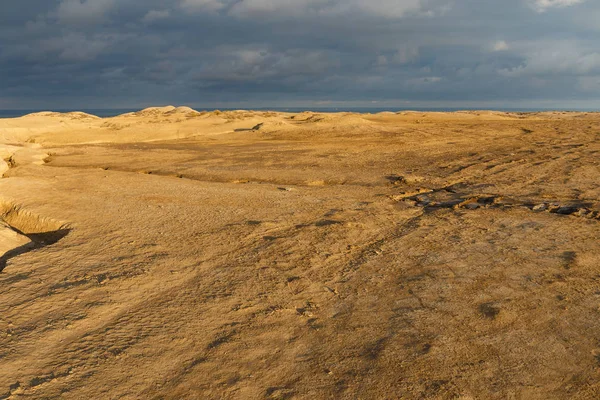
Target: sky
{"points": [[84, 54]]}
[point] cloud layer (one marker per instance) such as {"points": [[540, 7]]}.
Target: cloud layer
{"points": [[127, 53]]}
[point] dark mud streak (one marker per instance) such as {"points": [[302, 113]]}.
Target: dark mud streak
{"points": [[458, 200]]}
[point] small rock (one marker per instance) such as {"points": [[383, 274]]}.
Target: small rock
{"points": [[565, 210], [423, 200], [489, 310], [471, 206], [540, 207], [410, 202], [583, 212], [553, 207]]}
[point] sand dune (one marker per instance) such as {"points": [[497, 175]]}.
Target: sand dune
{"points": [[174, 253]]}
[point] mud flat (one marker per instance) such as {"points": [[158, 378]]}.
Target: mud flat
{"points": [[172, 253]]}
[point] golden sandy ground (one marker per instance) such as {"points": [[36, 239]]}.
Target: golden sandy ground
{"points": [[171, 254]]}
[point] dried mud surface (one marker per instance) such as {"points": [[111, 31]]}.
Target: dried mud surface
{"points": [[172, 254]]}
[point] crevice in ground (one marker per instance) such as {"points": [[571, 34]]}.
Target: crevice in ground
{"points": [[226, 180], [31, 231]]}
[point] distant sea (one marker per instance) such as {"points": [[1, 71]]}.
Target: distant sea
{"points": [[111, 112]]}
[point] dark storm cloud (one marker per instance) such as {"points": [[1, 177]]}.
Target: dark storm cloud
{"points": [[119, 53]]}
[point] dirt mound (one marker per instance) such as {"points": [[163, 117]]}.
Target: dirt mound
{"points": [[153, 111], [166, 111], [182, 110], [73, 115]]}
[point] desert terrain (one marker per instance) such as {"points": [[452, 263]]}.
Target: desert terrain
{"points": [[177, 254]]}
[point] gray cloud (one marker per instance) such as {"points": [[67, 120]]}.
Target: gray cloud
{"points": [[544, 5], [83, 12], [120, 53], [156, 15]]}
